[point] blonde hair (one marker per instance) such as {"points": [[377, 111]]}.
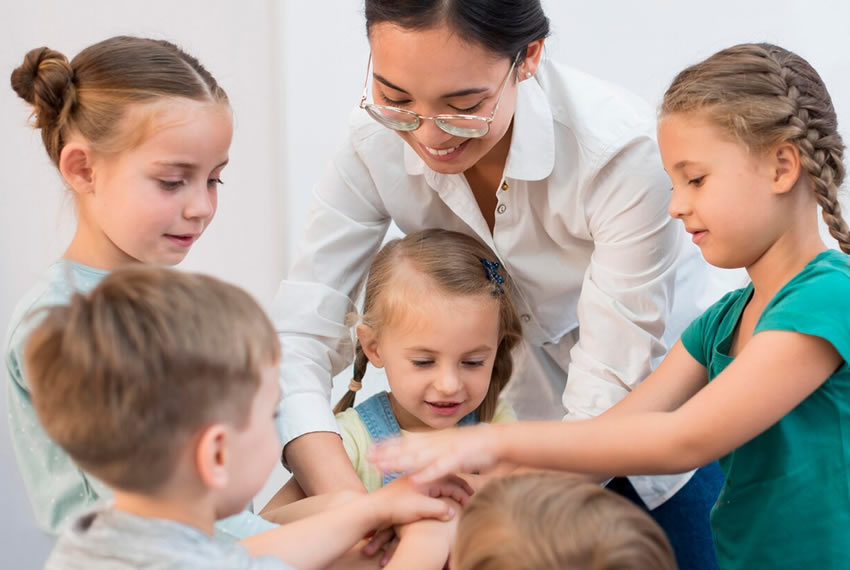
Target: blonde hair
{"points": [[123, 375], [90, 95], [763, 95], [454, 264], [545, 520]]}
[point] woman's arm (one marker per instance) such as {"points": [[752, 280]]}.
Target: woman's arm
{"points": [[320, 464], [776, 371], [345, 226]]}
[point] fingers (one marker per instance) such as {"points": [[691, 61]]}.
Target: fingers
{"points": [[378, 541], [389, 551], [436, 509], [452, 487]]}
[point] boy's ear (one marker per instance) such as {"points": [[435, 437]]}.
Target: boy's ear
{"points": [[369, 342], [75, 165], [786, 166], [212, 457]]}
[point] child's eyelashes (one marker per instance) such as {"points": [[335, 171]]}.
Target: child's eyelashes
{"points": [[467, 363], [175, 184], [696, 181], [171, 184]]}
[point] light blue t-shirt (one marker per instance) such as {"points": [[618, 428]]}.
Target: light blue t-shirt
{"points": [[58, 490], [109, 539]]}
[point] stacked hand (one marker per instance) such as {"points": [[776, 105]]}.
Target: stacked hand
{"points": [[426, 457]]}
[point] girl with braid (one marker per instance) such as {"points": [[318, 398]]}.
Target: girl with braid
{"points": [[438, 316], [760, 380]]}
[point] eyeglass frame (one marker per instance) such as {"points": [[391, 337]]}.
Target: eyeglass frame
{"points": [[436, 118]]}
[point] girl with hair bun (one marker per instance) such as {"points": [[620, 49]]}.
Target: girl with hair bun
{"points": [[140, 132]]}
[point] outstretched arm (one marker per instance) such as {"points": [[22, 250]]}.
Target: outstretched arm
{"points": [[776, 371], [318, 540]]}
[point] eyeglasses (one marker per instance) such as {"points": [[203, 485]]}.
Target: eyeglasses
{"points": [[470, 126]]}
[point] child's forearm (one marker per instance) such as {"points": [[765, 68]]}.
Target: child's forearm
{"points": [[424, 544], [305, 543], [303, 508], [286, 495], [602, 446]]}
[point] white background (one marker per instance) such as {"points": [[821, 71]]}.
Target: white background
{"points": [[294, 71]]}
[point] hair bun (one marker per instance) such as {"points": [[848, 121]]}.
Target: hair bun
{"points": [[44, 80]]}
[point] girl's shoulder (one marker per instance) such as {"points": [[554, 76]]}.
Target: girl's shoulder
{"points": [[56, 286]]}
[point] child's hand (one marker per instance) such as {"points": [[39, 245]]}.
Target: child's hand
{"points": [[402, 502], [429, 456]]}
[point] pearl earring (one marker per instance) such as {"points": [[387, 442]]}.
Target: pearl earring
{"points": [[528, 75]]}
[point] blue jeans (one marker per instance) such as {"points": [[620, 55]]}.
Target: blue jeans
{"points": [[684, 516]]}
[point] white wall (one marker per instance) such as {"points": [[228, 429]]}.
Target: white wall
{"points": [[294, 72]]}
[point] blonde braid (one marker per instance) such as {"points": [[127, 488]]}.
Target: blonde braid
{"points": [[812, 127]]}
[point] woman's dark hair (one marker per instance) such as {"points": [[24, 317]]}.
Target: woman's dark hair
{"points": [[505, 27]]}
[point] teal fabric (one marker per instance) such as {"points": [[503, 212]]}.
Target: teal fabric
{"points": [[58, 490], [786, 499]]}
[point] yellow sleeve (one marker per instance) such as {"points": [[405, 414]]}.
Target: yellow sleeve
{"points": [[356, 440], [504, 412]]}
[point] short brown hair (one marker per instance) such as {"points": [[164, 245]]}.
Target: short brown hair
{"points": [[121, 377], [545, 520], [90, 95], [763, 95], [454, 263]]}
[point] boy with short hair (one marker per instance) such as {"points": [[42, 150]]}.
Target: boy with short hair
{"points": [[163, 385]]}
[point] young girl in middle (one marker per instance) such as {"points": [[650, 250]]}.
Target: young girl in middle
{"points": [[438, 316]]}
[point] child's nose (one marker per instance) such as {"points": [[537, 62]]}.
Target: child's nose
{"points": [[201, 202], [448, 382], [679, 204]]}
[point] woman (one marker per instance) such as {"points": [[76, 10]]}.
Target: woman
{"points": [[466, 128]]}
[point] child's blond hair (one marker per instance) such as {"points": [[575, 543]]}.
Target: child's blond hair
{"points": [[449, 263], [123, 376], [90, 95], [545, 520], [763, 95]]}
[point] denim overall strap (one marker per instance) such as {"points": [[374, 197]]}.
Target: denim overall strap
{"points": [[380, 422], [379, 419], [469, 419]]}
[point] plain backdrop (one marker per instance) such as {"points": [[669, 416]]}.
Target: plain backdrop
{"points": [[294, 71]]}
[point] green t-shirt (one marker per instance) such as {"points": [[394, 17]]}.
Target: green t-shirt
{"points": [[786, 499]]}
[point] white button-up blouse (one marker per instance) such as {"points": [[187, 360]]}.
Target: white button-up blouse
{"points": [[581, 225]]}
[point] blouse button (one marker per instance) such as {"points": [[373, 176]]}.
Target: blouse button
{"points": [[501, 209], [505, 186], [525, 318]]}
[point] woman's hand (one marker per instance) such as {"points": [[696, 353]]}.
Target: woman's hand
{"points": [[426, 457]]}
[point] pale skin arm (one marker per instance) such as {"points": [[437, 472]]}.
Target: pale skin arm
{"points": [[320, 539], [423, 544], [656, 429], [320, 465]]}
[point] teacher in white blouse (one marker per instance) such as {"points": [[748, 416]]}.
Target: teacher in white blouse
{"points": [[463, 126]]}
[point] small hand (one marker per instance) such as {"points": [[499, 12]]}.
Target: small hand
{"points": [[403, 501], [429, 456]]}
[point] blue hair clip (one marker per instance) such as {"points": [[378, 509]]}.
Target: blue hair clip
{"points": [[492, 269]]}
